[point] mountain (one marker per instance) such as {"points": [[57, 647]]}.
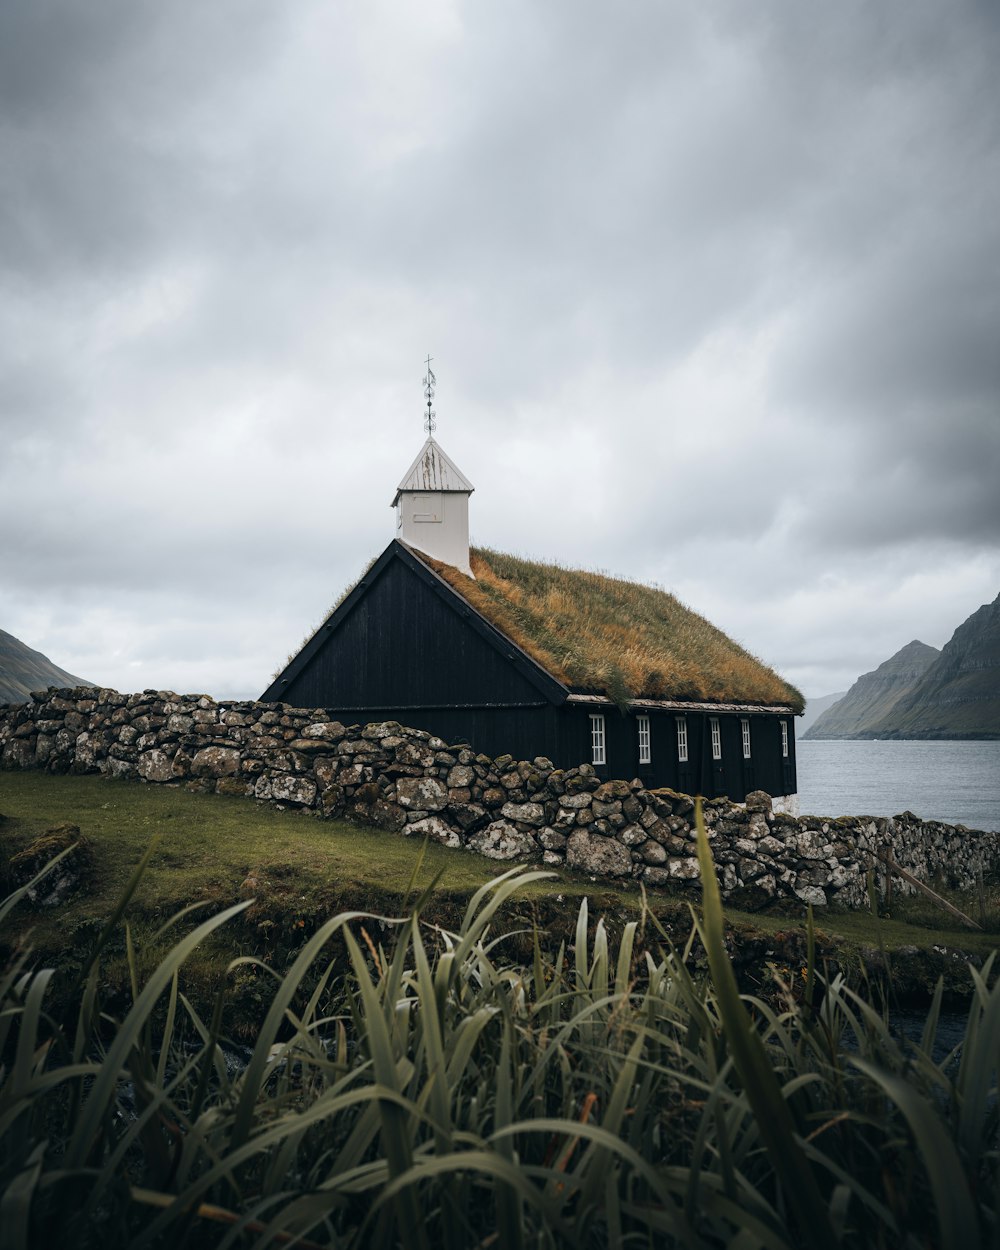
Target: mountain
{"points": [[815, 708], [874, 695], [23, 670], [958, 696]]}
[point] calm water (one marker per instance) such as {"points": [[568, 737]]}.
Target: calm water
{"points": [[957, 782]]}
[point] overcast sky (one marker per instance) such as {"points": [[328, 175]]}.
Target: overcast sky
{"points": [[712, 292]]}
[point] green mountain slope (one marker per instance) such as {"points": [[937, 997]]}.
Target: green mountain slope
{"points": [[23, 670], [959, 694], [874, 695]]}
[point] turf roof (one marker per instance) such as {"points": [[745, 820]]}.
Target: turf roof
{"points": [[603, 635]]}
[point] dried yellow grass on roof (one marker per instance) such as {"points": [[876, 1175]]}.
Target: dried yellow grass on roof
{"points": [[601, 634]]}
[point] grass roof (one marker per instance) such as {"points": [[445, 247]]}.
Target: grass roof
{"points": [[603, 635]]}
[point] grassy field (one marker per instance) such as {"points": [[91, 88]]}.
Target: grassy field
{"points": [[441, 1090], [217, 850], [582, 1083]]}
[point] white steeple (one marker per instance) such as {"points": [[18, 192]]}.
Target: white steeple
{"points": [[432, 508], [432, 500]]}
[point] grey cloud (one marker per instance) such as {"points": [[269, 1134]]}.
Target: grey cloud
{"points": [[109, 115], [230, 233]]}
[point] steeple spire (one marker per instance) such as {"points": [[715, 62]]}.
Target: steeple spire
{"points": [[430, 381]]}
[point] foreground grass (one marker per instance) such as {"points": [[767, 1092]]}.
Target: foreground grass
{"points": [[433, 1092], [299, 871]]}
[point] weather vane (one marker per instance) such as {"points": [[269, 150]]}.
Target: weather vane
{"points": [[430, 425]]}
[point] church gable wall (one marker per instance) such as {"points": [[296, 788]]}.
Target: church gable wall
{"points": [[401, 644]]}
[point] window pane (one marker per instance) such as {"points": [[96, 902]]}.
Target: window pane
{"points": [[745, 724], [716, 738], [682, 739], [597, 739], [644, 743]]}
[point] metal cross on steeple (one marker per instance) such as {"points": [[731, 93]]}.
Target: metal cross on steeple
{"points": [[430, 425]]}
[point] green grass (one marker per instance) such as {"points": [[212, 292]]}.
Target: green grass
{"points": [[220, 850], [433, 1089], [209, 844]]}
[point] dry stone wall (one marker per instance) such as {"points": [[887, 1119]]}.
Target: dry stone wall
{"points": [[415, 785]]}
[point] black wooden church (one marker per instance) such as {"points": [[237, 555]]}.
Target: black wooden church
{"points": [[527, 659]]}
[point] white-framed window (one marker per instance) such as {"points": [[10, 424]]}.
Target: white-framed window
{"points": [[784, 739], [745, 726], [645, 754], [713, 724], [682, 739], [597, 755]]}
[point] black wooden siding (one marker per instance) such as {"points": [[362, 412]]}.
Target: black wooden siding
{"points": [[403, 646], [732, 776]]}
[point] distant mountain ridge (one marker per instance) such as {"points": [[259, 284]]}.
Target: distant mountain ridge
{"points": [[924, 693], [23, 670], [959, 695], [815, 709], [873, 696]]}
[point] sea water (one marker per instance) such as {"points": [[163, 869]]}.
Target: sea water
{"points": [[955, 782]]}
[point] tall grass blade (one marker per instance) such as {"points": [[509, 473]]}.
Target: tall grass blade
{"points": [[774, 1121], [978, 1072], [167, 1036], [929, 1031], [957, 1219], [396, 1121], [253, 1076], [30, 1049], [15, 1205], [112, 922], [326, 1107], [662, 1186], [96, 1105]]}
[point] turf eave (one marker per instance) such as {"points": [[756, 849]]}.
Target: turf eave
{"points": [[688, 705]]}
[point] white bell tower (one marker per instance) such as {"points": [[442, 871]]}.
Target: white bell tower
{"points": [[432, 500]]}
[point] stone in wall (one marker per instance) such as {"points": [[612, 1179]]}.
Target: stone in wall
{"points": [[503, 840], [599, 856], [435, 828], [421, 793], [216, 762]]}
